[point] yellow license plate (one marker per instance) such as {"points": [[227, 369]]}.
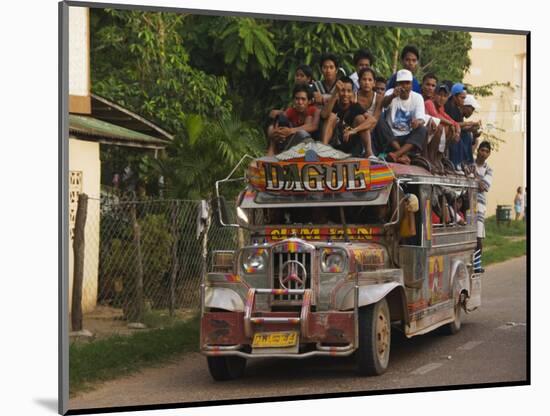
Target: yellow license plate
{"points": [[275, 339]]}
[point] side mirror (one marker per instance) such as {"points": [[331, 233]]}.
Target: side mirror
{"points": [[225, 216]]}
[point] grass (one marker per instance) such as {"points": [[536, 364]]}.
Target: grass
{"points": [[503, 242], [115, 356]]}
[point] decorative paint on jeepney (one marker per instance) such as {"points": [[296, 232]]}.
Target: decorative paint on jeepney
{"points": [[224, 278], [428, 221], [296, 176], [436, 283], [333, 233], [291, 247], [369, 258]]}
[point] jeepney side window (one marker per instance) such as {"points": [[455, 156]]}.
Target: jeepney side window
{"points": [[410, 227], [438, 208], [463, 207]]}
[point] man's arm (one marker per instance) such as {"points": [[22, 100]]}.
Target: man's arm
{"points": [[311, 123], [390, 95], [419, 114], [486, 180]]}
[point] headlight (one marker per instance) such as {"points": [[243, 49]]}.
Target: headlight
{"points": [[255, 261], [333, 260]]}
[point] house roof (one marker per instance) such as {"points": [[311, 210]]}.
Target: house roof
{"points": [[91, 128], [108, 111]]}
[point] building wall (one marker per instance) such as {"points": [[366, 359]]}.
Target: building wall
{"points": [[501, 58], [84, 170], [79, 60]]}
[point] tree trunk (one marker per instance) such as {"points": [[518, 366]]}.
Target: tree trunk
{"points": [[78, 269]]}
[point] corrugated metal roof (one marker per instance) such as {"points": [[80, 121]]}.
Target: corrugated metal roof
{"points": [[104, 132], [111, 112]]}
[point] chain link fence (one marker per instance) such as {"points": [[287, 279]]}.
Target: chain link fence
{"points": [[143, 259]]}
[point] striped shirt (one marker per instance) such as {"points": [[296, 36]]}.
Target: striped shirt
{"points": [[485, 176], [322, 88]]}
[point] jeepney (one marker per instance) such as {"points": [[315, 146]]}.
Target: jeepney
{"points": [[341, 250]]}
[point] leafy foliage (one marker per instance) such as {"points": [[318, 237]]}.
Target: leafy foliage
{"points": [[138, 60], [207, 152], [211, 80], [156, 242]]}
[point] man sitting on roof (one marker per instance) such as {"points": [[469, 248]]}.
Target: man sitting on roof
{"points": [[405, 115], [435, 97], [295, 124], [346, 123]]}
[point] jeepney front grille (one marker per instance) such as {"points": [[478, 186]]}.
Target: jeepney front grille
{"points": [[280, 271]]}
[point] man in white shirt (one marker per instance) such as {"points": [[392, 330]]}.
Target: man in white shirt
{"points": [[405, 116]]}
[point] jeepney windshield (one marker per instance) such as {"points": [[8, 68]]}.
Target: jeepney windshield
{"points": [[368, 214]]}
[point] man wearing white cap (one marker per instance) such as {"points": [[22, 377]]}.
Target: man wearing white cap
{"points": [[471, 129], [405, 115]]}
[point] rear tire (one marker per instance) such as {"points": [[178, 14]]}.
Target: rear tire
{"points": [[226, 368], [454, 327], [373, 355]]}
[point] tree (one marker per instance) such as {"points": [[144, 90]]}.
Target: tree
{"points": [[205, 153], [138, 61], [444, 53]]}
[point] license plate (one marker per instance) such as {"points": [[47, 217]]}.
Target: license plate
{"points": [[275, 339]]}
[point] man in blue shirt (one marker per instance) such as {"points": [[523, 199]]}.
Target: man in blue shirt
{"points": [[409, 60]]}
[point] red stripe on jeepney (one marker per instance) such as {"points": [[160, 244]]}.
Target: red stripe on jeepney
{"points": [[232, 278]]}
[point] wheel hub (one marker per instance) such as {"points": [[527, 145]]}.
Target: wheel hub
{"points": [[382, 336]]}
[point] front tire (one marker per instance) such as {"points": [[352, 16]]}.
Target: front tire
{"points": [[373, 355], [226, 368]]}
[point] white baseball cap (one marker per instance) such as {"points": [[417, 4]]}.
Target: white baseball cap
{"points": [[471, 101], [404, 75]]}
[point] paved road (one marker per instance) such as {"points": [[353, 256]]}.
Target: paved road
{"points": [[491, 347]]}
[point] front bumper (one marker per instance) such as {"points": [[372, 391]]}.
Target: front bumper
{"points": [[324, 333]]}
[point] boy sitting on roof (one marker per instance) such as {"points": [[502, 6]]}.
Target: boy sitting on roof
{"points": [[409, 60], [325, 87], [294, 124]]}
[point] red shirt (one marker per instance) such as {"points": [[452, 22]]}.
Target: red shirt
{"points": [[298, 119], [433, 111]]}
